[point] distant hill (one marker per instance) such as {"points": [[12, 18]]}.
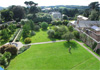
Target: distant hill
{"points": [[1, 8], [66, 6]]}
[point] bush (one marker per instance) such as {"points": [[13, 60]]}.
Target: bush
{"points": [[27, 40], [19, 36], [8, 48], [7, 55], [37, 28], [51, 33], [44, 25], [24, 48], [3, 61], [76, 34], [32, 33]]}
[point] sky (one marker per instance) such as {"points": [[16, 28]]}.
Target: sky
{"points": [[6, 3]]}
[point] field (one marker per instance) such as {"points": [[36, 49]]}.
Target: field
{"points": [[55, 56], [41, 36]]}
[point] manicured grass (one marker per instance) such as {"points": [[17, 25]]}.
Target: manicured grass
{"points": [[91, 50], [41, 36], [55, 56]]}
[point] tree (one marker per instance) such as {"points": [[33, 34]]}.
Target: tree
{"points": [[70, 28], [9, 48], [26, 3], [37, 28], [18, 13], [26, 31], [32, 25], [94, 6], [94, 15], [68, 36], [31, 3], [7, 55], [7, 15], [44, 25], [27, 40], [76, 34], [51, 33], [5, 34]]}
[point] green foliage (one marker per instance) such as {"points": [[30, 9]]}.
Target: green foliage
{"points": [[3, 61], [51, 33], [31, 24], [18, 13], [32, 33], [68, 36], [37, 28], [76, 34], [26, 31], [7, 15], [27, 40], [43, 17], [59, 31], [24, 48], [44, 25], [70, 28], [8, 48], [7, 55], [94, 15], [5, 34]]}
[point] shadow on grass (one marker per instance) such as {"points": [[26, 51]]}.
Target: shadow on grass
{"points": [[72, 44]]}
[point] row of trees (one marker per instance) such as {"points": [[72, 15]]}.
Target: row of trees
{"points": [[18, 12], [64, 32]]}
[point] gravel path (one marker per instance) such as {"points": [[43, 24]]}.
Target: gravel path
{"points": [[17, 35]]}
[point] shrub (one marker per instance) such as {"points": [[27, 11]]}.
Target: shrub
{"points": [[7, 55], [51, 33], [37, 28], [76, 34], [68, 36], [32, 33], [27, 40], [24, 48], [70, 28], [8, 48], [44, 25], [3, 61]]}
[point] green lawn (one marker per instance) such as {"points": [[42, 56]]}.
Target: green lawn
{"points": [[41, 36], [55, 56]]}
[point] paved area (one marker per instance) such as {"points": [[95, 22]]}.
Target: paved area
{"points": [[44, 42]]}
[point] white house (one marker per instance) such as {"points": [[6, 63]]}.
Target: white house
{"points": [[56, 15]]}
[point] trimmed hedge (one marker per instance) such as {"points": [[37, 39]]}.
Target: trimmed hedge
{"points": [[12, 38], [19, 36]]}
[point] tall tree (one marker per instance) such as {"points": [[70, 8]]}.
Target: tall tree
{"points": [[94, 5], [7, 15], [18, 13]]}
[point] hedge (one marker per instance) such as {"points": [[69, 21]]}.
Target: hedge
{"points": [[12, 38], [19, 36]]}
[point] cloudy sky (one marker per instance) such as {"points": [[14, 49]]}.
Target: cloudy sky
{"points": [[6, 3]]}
